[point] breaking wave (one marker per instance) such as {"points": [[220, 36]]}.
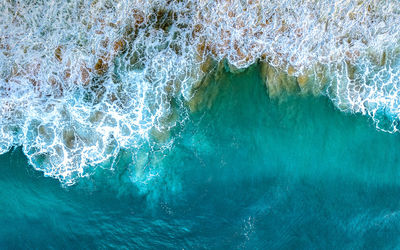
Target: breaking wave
{"points": [[82, 80]]}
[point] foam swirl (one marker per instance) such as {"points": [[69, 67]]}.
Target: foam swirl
{"points": [[81, 80]]}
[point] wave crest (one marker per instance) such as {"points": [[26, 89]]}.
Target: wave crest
{"points": [[82, 80]]}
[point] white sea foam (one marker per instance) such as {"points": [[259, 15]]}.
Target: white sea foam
{"points": [[81, 80]]}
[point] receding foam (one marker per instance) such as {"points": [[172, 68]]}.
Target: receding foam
{"points": [[82, 80]]}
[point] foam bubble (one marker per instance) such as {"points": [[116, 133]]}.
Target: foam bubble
{"points": [[82, 80]]}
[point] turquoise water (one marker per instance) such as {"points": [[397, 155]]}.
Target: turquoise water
{"points": [[245, 171]]}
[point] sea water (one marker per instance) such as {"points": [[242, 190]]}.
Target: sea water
{"points": [[199, 124], [249, 171]]}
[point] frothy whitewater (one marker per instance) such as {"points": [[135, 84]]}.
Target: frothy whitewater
{"points": [[82, 80]]}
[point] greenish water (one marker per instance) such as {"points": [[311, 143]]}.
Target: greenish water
{"points": [[248, 172]]}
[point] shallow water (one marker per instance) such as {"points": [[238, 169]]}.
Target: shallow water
{"points": [[246, 171], [82, 82]]}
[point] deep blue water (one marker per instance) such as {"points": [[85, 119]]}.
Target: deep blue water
{"points": [[246, 171]]}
